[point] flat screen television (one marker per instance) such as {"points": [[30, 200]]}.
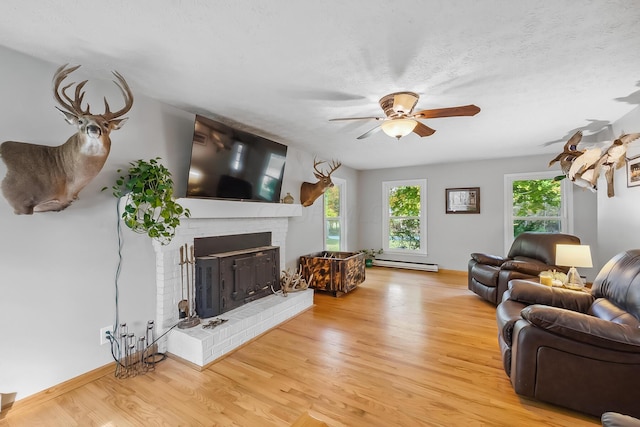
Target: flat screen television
{"points": [[228, 163]]}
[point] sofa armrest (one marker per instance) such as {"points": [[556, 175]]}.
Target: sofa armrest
{"points": [[507, 314], [488, 259], [529, 292], [584, 328], [531, 268]]}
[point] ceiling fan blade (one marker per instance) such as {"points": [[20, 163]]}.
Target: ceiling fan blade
{"points": [[423, 130], [356, 118], [465, 110], [369, 133]]}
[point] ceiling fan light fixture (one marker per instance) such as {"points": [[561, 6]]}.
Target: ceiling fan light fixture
{"points": [[398, 128], [403, 102], [400, 119]]}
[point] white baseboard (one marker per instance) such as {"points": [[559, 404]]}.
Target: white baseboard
{"points": [[407, 265]]}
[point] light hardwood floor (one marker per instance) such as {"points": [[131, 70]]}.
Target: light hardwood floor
{"points": [[405, 349]]}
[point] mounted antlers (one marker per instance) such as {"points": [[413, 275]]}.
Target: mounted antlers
{"points": [[310, 192], [292, 281], [43, 178], [75, 105]]}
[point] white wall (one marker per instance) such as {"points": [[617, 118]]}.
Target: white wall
{"points": [[57, 269], [619, 216], [450, 237]]}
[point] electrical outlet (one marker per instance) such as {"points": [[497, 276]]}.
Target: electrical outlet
{"points": [[103, 334]]}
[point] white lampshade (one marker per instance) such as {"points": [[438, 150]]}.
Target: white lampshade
{"points": [[573, 256], [397, 128]]}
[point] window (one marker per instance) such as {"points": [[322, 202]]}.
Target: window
{"points": [[404, 219], [335, 216], [536, 202]]}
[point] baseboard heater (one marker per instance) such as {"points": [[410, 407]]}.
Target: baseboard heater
{"points": [[408, 265]]}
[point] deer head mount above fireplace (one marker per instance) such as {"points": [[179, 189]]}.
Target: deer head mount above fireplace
{"points": [[310, 192], [44, 178]]}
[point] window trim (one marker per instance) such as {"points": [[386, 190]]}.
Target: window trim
{"points": [[342, 218], [566, 212], [386, 186]]}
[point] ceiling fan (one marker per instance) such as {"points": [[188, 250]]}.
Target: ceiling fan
{"points": [[400, 119]]}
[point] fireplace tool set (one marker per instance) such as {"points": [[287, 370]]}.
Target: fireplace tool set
{"points": [[137, 356], [186, 310]]}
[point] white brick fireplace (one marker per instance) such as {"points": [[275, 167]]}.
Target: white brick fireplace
{"points": [[220, 218]]}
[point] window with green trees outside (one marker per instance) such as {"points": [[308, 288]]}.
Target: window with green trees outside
{"points": [[334, 217], [536, 206], [536, 202], [405, 219]]}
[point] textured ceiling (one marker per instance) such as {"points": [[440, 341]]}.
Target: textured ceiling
{"points": [[539, 70]]}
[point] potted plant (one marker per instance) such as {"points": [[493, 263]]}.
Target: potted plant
{"points": [[149, 204], [369, 255]]}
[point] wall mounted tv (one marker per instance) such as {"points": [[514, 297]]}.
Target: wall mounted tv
{"points": [[228, 163]]}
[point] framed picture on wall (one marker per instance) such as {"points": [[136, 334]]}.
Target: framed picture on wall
{"points": [[633, 171], [462, 200]]}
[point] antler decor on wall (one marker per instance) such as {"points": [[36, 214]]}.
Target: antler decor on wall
{"points": [[583, 167], [44, 178], [310, 192]]}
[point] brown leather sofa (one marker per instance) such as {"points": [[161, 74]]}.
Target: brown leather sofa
{"points": [[576, 349], [530, 254]]}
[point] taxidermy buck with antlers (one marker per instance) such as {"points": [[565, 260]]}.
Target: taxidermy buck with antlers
{"points": [[42, 178], [310, 192]]}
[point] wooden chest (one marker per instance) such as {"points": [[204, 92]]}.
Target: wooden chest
{"points": [[334, 272]]}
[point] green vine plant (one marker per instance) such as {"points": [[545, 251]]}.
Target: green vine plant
{"points": [[149, 204]]}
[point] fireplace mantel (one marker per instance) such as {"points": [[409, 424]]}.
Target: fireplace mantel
{"points": [[207, 208]]}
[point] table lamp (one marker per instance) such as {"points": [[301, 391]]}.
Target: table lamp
{"points": [[573, 256]]}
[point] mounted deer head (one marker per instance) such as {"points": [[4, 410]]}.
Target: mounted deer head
{"points": [[44, 178], [310, 192]]}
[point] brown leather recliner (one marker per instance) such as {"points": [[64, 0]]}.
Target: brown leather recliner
{"points": [[576, 349], [530, 254]]}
